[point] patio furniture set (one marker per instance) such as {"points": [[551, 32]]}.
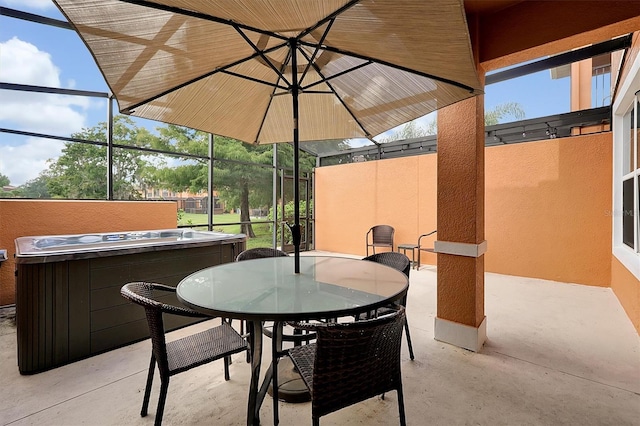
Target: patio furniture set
{"points": [[341, 361]]}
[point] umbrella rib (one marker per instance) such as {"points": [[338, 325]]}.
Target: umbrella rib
{"points": [[391, 65], [333, 91], [262, 55], [317, 92], [204, 16], [193, 80], [255, 80], [273, 94], [330, 17], [316, 50], [341, 73]]}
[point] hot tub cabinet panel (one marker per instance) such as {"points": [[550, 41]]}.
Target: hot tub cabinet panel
{"points": [[68, 309]]}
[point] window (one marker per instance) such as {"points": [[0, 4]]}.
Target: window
{"points": [[626, 168]]}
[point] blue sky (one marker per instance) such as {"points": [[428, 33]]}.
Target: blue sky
{"points": [[37, 54]]}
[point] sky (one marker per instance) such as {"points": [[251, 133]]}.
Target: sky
{"points": [[41, 55]]}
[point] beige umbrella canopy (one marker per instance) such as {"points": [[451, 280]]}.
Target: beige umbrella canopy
{"points": [[268, 71]]}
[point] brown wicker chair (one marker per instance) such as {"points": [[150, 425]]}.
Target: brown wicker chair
{"points": [[259, 253], [402, 263], [351, 362], [380, 236], [183, 354], [296, 336]]}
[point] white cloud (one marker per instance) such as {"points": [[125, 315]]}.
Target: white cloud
{"points": [[32, 4], [22, 162], [41, 113], [24, 63]]}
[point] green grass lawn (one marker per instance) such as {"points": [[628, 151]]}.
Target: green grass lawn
{"points": [[262, 230]]}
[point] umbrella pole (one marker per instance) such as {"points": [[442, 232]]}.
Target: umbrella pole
{"points": [[295, 230]]}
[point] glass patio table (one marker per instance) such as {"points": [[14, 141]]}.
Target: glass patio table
{"points": [[268, 290]]}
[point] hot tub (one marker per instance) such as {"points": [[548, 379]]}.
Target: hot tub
{"points": [[42, 249], [68, 303]]}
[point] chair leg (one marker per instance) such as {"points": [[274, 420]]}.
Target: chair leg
{"points": [[316, 421], [403, 419], [147, 390], [406, 330], [227, 361], [164, 386]]}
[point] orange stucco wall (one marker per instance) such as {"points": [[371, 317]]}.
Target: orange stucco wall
{"points": [[627, 288], [20, 218], [546, 214], [350, 199], [548, 209]]}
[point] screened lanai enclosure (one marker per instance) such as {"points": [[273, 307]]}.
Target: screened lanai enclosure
{"points": [[219, 183]]}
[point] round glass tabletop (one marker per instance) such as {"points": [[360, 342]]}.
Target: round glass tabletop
{"points": [[268, 289]]}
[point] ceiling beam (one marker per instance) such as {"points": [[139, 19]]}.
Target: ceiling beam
{"points": [[566, 58], [529, 25]]}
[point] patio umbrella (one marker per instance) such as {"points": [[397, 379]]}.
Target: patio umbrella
{"points": [[269, 71]]}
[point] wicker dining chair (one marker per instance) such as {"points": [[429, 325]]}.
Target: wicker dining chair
{"points": [[182, 354], [351, 362], [295, 336], [260, 253], [380, 236], [402, 263]]}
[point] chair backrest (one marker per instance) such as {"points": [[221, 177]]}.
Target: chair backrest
{"points": [[368, 350], [150, 297], [259, 253], [382, 234], [393, 259], [428, 234]]}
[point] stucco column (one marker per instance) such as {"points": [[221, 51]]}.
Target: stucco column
{"points": [[461, 245], [581, 74], [581, 80]]}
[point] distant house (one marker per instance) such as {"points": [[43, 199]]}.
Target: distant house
{"points": [[187, 201]]}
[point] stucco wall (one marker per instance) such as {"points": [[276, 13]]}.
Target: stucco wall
{"points": [[548, 209], [547, 206], [21, 218], [350, 199], [627, 288]]}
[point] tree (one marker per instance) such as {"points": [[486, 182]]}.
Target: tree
{"points": [[192, 173], [240, 184], [408, 131], [494, 116], [36, 188], [81, 171], [4, 180], [237, 182], [288, 216], [491, 117]]}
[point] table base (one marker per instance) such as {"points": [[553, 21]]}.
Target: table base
{"points": [[291, 387]]}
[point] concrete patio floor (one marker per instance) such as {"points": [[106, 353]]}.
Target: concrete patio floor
{"points": [[556, 354]]}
